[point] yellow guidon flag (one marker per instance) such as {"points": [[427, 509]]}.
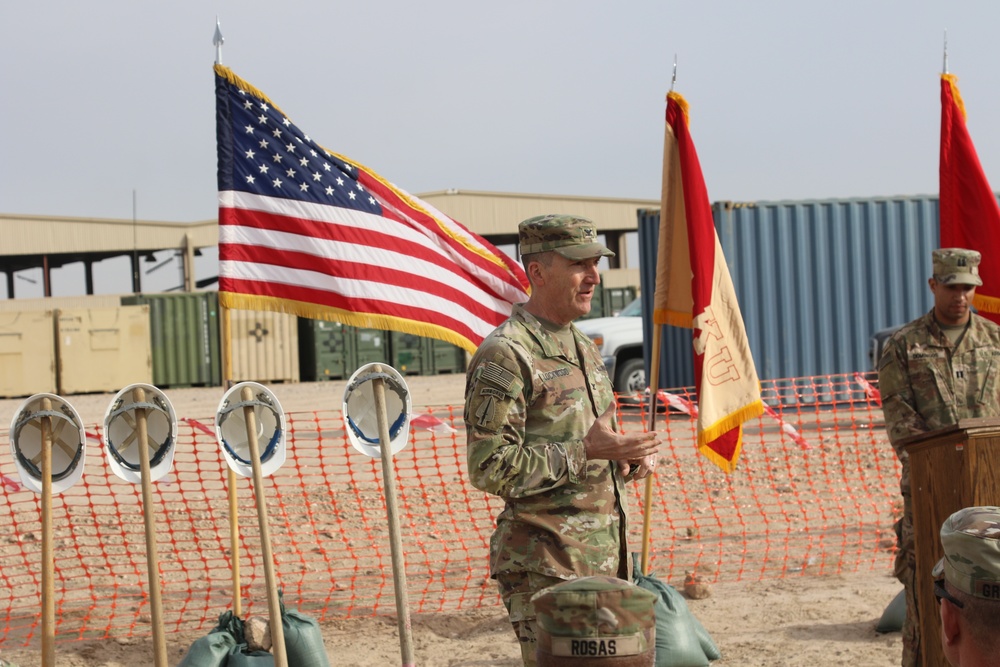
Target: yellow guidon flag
{"points": [[694, 290]]}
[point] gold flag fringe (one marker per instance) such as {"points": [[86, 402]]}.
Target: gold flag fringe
{"points": [[674, 318], [236, 301], [955, 95], [724, 425], [986, 304], [682, 103]]}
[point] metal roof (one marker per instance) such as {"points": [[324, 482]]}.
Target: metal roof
{"points": [[496, 214]]}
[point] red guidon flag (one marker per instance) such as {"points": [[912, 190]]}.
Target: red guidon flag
{"points": [[694, 290], [969, 214], [304, 230]]}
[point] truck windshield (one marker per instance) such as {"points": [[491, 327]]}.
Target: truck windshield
{"points": [[634, 309]]}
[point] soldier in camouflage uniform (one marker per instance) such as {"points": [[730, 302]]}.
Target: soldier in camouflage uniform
{"points": [[540, 418], [934, 371], [967, 585]]}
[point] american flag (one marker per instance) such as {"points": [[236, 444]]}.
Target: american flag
{"points": [[306, 231]]}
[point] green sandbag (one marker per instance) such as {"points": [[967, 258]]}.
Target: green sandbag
{"points": [[894, 615], [240, 657], [681, 639], [212, 650], [225, 646], [303, 639]]}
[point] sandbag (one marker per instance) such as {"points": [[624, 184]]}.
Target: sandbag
{"points": [[681, 639], [225, 646], [303, 639], [240, 657], [212, 650], [894, 615]]}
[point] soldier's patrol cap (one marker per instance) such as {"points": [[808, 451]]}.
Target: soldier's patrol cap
{"points": [[956, 266], [595, 617], [571, 236], [970, 539]]}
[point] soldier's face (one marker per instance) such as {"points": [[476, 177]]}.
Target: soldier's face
{"points": [[952, 302], [567, 287]]}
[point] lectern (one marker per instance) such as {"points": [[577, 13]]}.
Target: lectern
{"points": [[951, 468]]}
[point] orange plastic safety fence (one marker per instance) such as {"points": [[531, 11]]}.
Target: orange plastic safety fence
{"points": [[814, 493]]}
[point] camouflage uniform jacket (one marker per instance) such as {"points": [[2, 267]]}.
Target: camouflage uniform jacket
{"points": [[927, 383], [527, 409]]}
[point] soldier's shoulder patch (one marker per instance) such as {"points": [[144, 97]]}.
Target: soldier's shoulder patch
{"points": [[884, 361], [491, 394]]}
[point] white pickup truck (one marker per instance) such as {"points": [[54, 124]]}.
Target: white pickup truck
{"points": [[619, 339]]}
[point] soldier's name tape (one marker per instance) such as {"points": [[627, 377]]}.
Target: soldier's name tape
{"points": [[597, 647], [989, 590]]}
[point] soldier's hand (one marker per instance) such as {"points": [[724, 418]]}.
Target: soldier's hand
{"points": [[601, 442], [643, 467]]}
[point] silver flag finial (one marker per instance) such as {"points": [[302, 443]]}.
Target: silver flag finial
{"points": [[673, 78], [218, 40]]}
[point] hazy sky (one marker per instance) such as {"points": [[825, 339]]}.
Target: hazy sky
{"points": [[789, 100]]}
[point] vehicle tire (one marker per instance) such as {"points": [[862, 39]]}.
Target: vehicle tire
{"points": [[630, 378]]}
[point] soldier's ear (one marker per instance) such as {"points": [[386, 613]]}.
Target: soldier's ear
{"points": [[950, 629], [535, 273]]}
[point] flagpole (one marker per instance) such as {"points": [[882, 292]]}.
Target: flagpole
{"points": [[944, 66], [227, 381], [654, 387]]}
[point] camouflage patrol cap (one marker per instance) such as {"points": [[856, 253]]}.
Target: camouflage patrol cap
{"points": [[571, 236], [956, 266], [971, 541], [595, 617]]}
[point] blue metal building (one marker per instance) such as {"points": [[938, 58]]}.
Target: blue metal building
{"points": [[814, 279]]}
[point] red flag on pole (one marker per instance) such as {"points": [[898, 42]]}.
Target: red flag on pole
{"points": [[694, 290], [969, 213]]}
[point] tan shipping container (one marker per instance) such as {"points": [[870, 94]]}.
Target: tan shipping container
{"points": [[103, 349], [265, 346], [61, 302], [27, 353]]}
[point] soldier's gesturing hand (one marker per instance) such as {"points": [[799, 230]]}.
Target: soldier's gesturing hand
{"points": [[602, 442]]}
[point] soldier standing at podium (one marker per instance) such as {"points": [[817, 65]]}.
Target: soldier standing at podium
{"points": [[934, 371]]}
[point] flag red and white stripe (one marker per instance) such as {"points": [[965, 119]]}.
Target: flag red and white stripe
{"points": [[310, 232], [694, 290], [969, 213]]}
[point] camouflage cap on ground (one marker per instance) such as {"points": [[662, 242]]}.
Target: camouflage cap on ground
{"points": [[970, 539], [571, 236], [595, 617], [956, 266]]}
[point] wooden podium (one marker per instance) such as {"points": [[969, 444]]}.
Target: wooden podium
{"points": [[951, 468]]}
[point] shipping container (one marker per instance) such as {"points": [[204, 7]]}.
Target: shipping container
{"points": [[372, 347], [184, 337], [64, 302], [102, 349], [814, 278], [444, 357], [27, 353], [265, 346], [327, 350], [409, 353]]}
